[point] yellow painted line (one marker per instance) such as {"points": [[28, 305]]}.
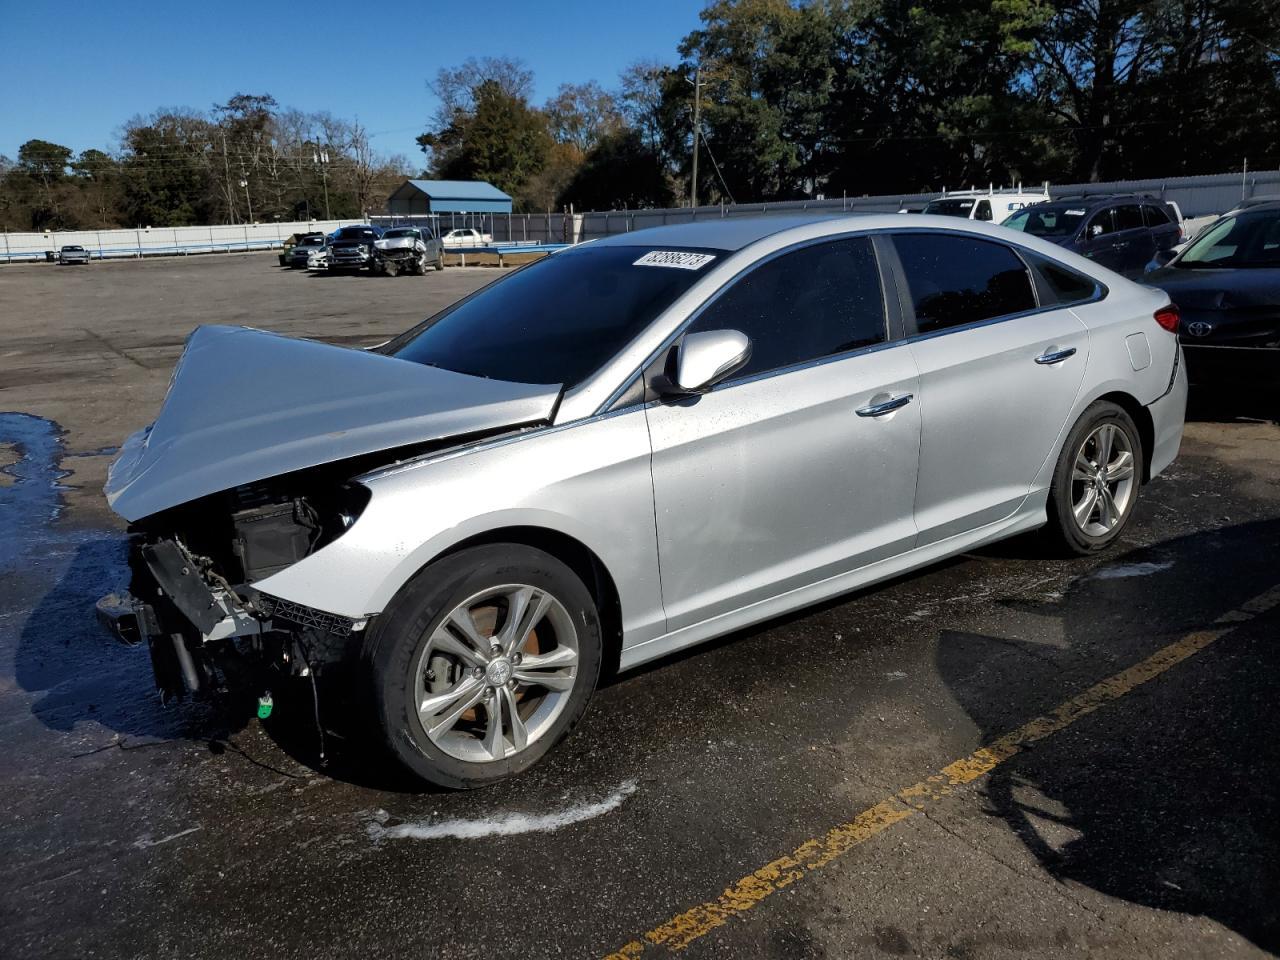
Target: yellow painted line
{"points": [[753, 889]]}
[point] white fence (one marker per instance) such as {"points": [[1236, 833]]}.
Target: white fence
{"points": [[160, 241]]}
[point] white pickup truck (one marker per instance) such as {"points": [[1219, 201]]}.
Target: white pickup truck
{"points": [[466, 237]]}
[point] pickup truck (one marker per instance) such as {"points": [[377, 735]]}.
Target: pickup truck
{"points": [[407, 250], [466, 237], [350, 248]]}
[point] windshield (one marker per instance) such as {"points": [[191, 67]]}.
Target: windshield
{"points": [[1047, 221], [356, 233], [402, 232], [953, 207], [72, 249], [1246, 240], [557, 320]]}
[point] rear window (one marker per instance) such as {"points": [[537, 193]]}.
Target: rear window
{"points": [[1155, 217], [951, 207], [958, 280], [558, 320]]}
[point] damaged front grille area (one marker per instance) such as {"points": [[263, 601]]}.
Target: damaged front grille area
{"points": [[295, 614]]}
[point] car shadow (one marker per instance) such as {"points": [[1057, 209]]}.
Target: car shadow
{"points": [[1165, 798]]}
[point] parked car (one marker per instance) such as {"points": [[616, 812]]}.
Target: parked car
{"points": [[71, 253], [1122, 233], [289, 243], [989, 205], [300, 252], [348, 248], [624, 449], [407, 250], [466, 237], [1226, 284]]}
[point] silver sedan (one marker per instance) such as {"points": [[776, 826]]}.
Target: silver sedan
{"points": [[629, 447]]}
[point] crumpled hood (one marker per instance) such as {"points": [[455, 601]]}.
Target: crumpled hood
{"points": [[244, 405]]}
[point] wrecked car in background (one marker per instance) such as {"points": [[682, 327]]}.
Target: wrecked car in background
{"points": [[407, 250], [623, 449]]}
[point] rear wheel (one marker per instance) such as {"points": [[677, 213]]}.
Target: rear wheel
{"points": [[483, 663], [1095, 484], [440, 260]]}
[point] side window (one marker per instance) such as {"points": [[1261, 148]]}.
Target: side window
{"points": [[1154, 216], [804, 305], [956, 280], [1065, 284], [1129, 217], [1101, 224], [984, 210]]}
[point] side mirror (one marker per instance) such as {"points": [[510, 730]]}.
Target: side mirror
{"points": [[703, 360]]}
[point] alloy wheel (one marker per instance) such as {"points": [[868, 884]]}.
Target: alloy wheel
{"points": [[1103, 480], [496, 673]]}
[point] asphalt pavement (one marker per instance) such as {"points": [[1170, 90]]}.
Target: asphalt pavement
{"points": [[1002, 756]]}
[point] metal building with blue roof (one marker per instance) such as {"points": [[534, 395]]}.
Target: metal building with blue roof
{"points": [[422, 198]]}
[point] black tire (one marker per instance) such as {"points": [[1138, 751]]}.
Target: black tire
{"points": [[398, 637], [1064, 532], [440, 261]]}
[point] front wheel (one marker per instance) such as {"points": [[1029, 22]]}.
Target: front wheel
{"points": [[483, 663], [1095, 484]]}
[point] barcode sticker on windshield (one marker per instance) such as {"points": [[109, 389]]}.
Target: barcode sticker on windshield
{"points": [[675, 258]]}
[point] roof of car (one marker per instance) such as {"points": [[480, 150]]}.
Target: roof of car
{"points": [[1102, 199], [1262, 206]]}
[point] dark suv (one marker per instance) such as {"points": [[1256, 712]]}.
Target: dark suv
{"points": [[352, 247], [1122, 233]]}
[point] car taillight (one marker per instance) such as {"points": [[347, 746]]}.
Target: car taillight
{"points": [[1167, 316]]}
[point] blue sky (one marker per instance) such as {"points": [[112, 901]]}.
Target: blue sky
{"points": [[75, 71]]}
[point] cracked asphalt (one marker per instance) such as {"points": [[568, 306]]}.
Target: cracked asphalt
{"points": [[723, 800]]}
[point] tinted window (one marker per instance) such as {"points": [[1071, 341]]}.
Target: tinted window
{"points": [[1101, 224], [1065, 284], [984, 210], [957, 280], [555, 321], [812, 303], [1041, 220], [958, 207], [1155, 217], [1129, 217]]}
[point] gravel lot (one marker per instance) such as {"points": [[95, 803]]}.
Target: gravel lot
{"points": [[814, 787]]}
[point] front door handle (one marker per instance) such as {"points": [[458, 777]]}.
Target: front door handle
{"points": [[1056, 356], [884, 406]]}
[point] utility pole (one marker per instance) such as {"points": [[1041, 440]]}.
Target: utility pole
{"points": [[321, 159], [697, 133], [226, 167], [249, 203]]}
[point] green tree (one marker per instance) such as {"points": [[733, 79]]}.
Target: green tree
{"points": [[620, 172], [500, 138]]}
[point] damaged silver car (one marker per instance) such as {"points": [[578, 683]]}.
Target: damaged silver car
{"points": [[621, 450]]}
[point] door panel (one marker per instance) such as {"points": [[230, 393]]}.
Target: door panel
{"points": [[990, 416], [773, 483]]}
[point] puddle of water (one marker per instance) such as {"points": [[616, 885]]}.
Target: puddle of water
{"points": [[506, 825], [32, 499]]}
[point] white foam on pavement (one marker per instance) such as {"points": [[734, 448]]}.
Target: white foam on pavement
{"points": [[1132, 570], [506, 825]]}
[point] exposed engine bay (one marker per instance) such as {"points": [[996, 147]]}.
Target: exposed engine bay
{"points": [[193, 569]]}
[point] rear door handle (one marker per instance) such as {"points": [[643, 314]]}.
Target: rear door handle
{"points": [[1056, 356], [884, 406]]}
